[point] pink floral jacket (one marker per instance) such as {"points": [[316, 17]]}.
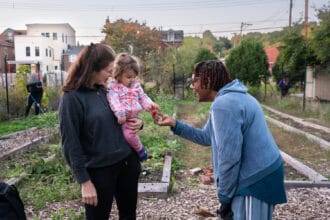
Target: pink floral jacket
{"points": [[127, 102]]}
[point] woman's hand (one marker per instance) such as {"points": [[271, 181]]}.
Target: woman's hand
{"points": [[121, 120], [165, 120], [88, 193], [134, 124]]}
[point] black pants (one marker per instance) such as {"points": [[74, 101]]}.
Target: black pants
{"points": [[119, 181], [34, 97]]}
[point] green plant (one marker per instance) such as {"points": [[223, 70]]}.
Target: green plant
{"points": [[48, 120], [49, 182], [248, 62], [204, 55]]}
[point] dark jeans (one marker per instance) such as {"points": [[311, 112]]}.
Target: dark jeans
{"points": [[36, 99], [120, 181]]}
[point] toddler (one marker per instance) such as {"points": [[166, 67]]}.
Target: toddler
{"points": [[127, 99]]}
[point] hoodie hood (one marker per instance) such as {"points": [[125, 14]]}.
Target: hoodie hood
{"points": [[233, 86]]}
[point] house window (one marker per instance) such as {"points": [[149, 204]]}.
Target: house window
{"points": [[43, 34], [54, 36], [47, 34], [27, 51], [47, 68], [46, 52], [37, 51], [50, 53], [63, 51], [66, 39], [63, 38], [55, 67]]}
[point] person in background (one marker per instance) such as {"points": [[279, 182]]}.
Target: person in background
{"points": [[94, 146], [284, 86], [34, 87], [248, 167]]}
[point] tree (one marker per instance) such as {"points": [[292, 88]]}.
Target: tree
{"points": [[204, 55], [320, 41], [248, 62], [294, 55], [222, 45], [125, 35]]}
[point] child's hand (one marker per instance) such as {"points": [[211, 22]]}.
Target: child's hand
{"points": [[121, 120], [154, 110]]}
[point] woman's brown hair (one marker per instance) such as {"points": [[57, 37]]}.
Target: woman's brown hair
{"points": [[124, 62], [90, 60], [213, 73]]}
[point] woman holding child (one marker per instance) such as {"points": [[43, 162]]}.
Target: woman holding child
{"points": [[100, 154]]}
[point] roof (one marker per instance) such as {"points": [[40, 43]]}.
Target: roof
{"points": [[272, 54], [52, 24], [16, 32]]}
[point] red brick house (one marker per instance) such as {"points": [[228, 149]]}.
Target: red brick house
{"points": [[7, 48]]}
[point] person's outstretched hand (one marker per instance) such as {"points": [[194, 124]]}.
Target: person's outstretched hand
{"points": [[165, 120]]}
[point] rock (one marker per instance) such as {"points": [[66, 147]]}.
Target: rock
{"points": [[195, 171], [206, 180]]}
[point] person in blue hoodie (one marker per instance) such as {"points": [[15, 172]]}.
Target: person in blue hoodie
{"points": [[248, 167]]}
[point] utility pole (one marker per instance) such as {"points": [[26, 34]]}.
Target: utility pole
{"points": [[243, 24], [306, 19], [6, 76], [306, 35], [290, 14]]}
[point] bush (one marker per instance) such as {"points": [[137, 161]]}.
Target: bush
{"points": [[18, 101]]}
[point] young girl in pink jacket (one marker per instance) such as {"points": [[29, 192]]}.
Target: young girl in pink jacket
{"points": [[127, 99]]}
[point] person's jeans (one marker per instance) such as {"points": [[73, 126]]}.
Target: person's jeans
{"points": [[120, 181], [36, 99]]}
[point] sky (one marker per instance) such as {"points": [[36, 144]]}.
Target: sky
{"points": [[222, 17]]}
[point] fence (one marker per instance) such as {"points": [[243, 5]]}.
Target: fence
{"points": [[52, 79], [10, 77]]}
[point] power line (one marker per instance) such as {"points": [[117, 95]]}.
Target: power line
{"points": [[143, 7], [188, 33]]}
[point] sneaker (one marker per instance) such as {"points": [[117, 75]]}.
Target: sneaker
{"points": [[143, 155]]}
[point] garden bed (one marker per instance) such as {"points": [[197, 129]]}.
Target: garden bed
{"points": [[317, 132], [302, 149]]}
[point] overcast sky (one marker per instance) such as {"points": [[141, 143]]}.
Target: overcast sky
{"points": [[222, 17]]}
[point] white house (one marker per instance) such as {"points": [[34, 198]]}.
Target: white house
{"points": [[43, 45]]}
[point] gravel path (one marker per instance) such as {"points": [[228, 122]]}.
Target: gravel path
{"points": [[302, 204], [189, 194]]}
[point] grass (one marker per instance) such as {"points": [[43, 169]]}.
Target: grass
{"points": [[191, 154], [44, 120]]}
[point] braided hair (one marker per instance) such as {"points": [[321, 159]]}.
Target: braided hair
{"points": [[213, 73]]}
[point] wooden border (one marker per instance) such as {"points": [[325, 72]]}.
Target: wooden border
{"points": [[28, 145], [323, 143], [289, 184], [158, 189], [298, 120], [302, 168]]}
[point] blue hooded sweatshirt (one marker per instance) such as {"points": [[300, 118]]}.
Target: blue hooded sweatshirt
{"points": [[246, 159]]}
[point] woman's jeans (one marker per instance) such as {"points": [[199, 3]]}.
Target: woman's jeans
{"points": [[119, 181]]}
